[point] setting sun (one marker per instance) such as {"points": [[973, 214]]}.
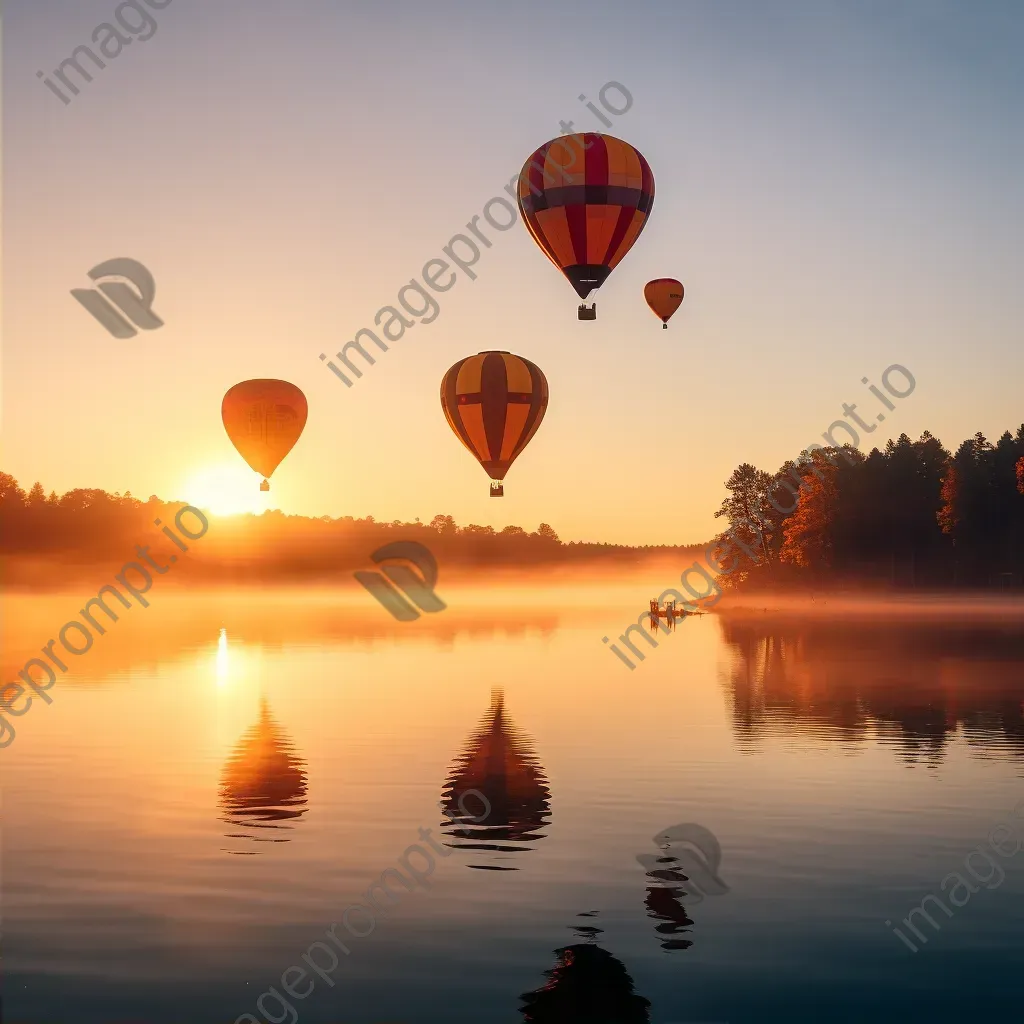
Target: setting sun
{"points": [[226, 490]]}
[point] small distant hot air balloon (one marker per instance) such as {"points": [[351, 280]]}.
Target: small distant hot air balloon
{"points": [[264, 419], [585, 199], [494, 401], [664, 295]]}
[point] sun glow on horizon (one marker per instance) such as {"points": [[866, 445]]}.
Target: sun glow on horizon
{"points": [[227, 490]]}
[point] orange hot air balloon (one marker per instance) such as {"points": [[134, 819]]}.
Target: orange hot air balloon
{"points": [[585, 199], [494, 401], [264, 419], [664, 295]]}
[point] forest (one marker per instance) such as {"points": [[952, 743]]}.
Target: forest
{"points": [[46, 538], [911, 515]]}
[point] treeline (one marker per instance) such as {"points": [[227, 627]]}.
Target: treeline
{"points": [[88, 526], [911, 515]]}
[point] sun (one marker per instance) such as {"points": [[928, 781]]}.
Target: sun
{"points": [[226, 490]]}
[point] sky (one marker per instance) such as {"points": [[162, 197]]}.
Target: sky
{"points": [[838, 185]]}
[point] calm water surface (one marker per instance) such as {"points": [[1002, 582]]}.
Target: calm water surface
{"points": [[223, 777]]}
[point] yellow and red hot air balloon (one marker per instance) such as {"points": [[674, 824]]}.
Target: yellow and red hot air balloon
{"points": [[494, 401], [264, 419], [664, 295], [585, 199]]}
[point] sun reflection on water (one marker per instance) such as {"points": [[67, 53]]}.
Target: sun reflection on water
{"points": [[223, 665]]}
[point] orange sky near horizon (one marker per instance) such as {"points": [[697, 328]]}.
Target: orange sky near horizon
{"points": [[836, 188]]}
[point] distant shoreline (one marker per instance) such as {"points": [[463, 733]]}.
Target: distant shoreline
{"points": [[933, 605], [579, 571]]}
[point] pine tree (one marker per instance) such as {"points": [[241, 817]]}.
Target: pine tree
{"points": [[747, 509]]}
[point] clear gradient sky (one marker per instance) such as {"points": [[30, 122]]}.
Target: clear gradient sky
{"points": [[839, 186]]}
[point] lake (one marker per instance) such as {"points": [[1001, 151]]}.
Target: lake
{"points": [[224, 776]]}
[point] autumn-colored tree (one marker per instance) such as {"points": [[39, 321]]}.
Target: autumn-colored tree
{"points": [[963, 488], [948, 517], [808, 531]]}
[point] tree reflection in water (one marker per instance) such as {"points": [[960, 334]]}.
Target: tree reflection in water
{"points": [[909, 685]]}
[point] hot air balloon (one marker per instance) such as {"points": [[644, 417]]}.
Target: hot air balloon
{"points": [[585, 199], [494, 401], [664, 295], [264, 419]]}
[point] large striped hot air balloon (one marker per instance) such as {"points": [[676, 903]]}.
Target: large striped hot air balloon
{"points": [[264, 419], [585, 199], [664, 295], [494, 401]]}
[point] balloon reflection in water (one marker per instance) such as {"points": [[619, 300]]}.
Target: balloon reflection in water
{"points": [[264, 783], [500, 764], [688, 867], [587, 985], [664, 904]]}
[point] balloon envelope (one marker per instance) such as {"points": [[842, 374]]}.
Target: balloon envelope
{"points": [[264, 419], [585, 199], [494, 401], [664, 295]]}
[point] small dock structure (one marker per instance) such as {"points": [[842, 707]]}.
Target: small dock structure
{"points": [[671, 612]]}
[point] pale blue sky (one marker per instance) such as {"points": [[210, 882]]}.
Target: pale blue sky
{"points": [[839, 187]]}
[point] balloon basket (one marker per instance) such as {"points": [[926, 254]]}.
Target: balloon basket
{"points": [[497, 490], [586, 312], [265, 486], [664, 327]]}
